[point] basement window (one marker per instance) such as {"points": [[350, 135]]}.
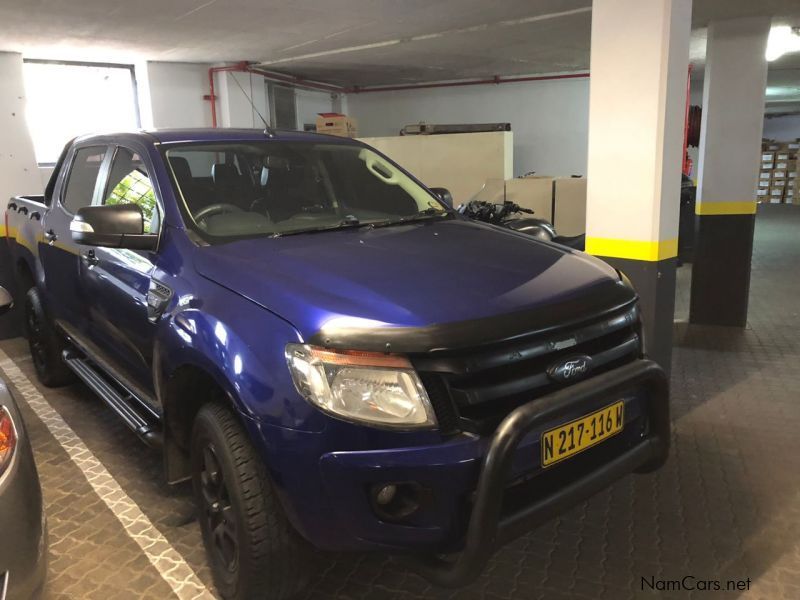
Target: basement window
{"points": [[68, 99]]}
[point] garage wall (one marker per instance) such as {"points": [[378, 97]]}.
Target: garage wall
{"points": [[550, 119], [782, 129], [176, 94], [308, 103]]}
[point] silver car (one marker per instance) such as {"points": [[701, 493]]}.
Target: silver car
{"points": [[23, 553]]}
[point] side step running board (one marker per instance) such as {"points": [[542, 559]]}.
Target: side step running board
{"points": [[121, 402]]}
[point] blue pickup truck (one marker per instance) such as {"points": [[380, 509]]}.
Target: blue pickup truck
{"points": [[334, 356]]}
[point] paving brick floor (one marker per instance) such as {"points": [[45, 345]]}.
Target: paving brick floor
{"points": [[726, 505]]}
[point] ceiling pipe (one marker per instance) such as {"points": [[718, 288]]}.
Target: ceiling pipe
{"points": [[493, 81]]}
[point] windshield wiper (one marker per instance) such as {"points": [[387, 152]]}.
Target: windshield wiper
{"points": [[351, 222], [423, 215], [348, 222]]}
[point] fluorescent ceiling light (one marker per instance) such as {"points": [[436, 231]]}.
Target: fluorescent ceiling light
{"points": [[782, 40]]}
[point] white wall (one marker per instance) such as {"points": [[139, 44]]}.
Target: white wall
{"points": [[782, 129], [242, 98], [176, 95], [550, 119]]}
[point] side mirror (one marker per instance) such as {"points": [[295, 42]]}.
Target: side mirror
{"points": [[444, 195], [6, 301], [112, 226]]}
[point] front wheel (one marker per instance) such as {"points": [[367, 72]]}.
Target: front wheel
{"points": [[46, 344], [253, 550]]}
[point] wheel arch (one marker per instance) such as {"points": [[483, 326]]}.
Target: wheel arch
{"points": [[182, 392]]}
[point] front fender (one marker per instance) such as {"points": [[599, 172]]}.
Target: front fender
{"points": [[241, 346]]}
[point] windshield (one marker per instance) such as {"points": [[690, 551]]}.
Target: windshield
{"points": [[272, 188]]}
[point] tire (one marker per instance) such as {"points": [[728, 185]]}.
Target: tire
{"points": [[252, 548], [46, 344]]}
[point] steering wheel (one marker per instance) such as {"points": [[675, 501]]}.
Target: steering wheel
{"points": [[215, 209]]}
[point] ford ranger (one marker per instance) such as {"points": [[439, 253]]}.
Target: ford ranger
{"points": [[331, 354]]}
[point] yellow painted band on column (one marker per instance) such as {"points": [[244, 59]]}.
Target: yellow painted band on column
{"points": [[632, 249], [748, 207]]}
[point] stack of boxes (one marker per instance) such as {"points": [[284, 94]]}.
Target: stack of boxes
{"points": [[779, 172]]}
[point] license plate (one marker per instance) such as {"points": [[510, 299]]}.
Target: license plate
{"points": [[578, 435]]}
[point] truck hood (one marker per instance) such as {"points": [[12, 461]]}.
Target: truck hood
{"points": [[428, 284]]}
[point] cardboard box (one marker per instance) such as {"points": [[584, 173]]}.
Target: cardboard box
{"points": [[336, 124]]}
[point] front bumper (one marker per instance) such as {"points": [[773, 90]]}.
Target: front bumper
{"points": [[324, 478], [489, 527]]}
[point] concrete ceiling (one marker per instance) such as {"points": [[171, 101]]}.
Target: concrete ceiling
{"points": [[345, 42]]}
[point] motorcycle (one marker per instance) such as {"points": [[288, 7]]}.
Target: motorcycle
{"points": [[505, 215]]}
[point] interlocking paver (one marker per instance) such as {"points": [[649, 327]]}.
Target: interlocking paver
{"points": [[724, 507]]}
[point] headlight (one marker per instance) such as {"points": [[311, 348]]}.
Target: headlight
{"points": [[380, 389]]}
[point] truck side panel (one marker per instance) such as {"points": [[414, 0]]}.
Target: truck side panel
{"points": [[24, 232]]}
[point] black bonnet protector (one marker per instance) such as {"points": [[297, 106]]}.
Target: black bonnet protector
{"points": [[595, 302]]}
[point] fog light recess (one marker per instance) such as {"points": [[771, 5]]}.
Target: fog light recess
{"points": [[394, 501]]}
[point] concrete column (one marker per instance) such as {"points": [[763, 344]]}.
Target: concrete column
{"points": [[637, 100], [19, 173], [730, 145]]}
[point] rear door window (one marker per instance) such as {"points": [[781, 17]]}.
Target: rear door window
{"points": [[83, 177]]}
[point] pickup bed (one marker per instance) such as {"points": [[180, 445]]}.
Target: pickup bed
{"points": [[334, 356]]}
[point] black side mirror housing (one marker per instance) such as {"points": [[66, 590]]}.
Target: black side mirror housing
{"points": [[444, 195], [112, 226]]}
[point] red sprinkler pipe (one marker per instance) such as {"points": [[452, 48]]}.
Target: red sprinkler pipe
{"points": [[212, 97], [493, 80], [687, 163], [245, 67]]}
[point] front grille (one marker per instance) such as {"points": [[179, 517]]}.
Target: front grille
{"points": [[473, 390]]}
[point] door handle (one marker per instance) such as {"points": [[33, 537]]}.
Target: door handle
{"points": [[50, 236], [23, 210], [91, 258], [36, 215], [12, 206]]}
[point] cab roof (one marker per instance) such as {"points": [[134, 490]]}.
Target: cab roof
{"points": [[211, 135]]}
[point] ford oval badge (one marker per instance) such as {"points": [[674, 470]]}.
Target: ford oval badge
{"points": [[570, 369]]}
